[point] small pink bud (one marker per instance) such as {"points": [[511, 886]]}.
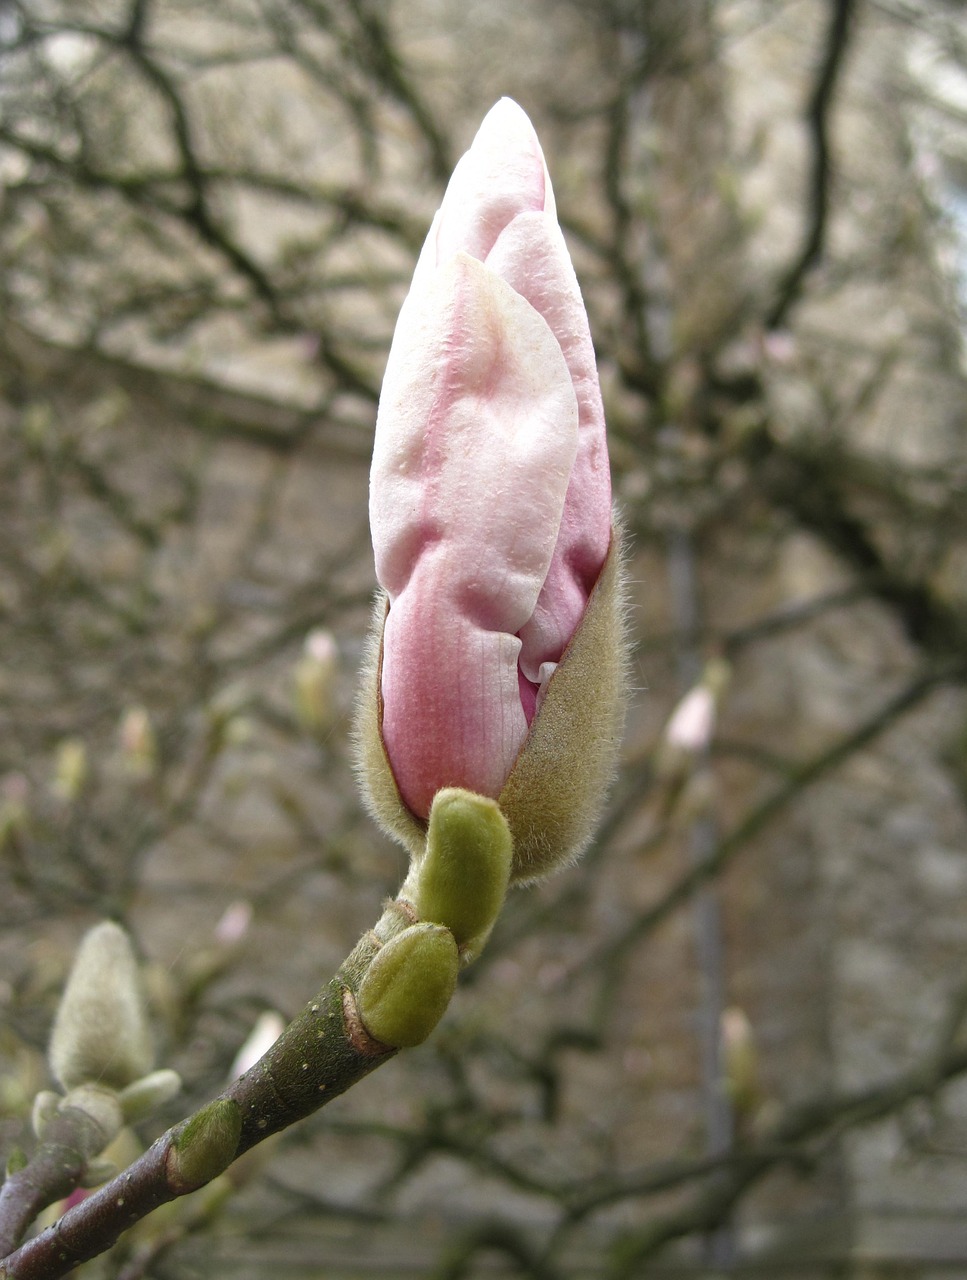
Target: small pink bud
{"points": [[692, 723], [780, 346], [233, 924], [320, 645], [490, 507], [139, 747]]}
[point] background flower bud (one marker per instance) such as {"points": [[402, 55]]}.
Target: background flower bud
{"points": [[691, 726], [740, 1063], [101, 1033], [268, 1027], [314, 682], [71, 769], [139, 746]]}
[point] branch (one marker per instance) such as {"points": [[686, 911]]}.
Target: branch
{"points": [[377, 52], [817, 118], [320, 1055], [808, 484], [494, 1237], [389, 993], [72, 1139], [612, 954], [816, 1117]]}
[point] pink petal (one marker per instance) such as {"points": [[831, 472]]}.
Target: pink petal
{"points": [[502, 175], [475, 441], [531, 256], [452, 714]]}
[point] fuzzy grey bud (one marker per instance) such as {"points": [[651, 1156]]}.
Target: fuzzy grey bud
{"points": [[101, 1030]]}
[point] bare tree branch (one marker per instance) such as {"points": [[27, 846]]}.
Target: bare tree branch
{"points": [[818, 121]]}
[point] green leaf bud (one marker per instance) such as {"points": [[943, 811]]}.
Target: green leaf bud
{"points": [[408, 985], [461, 881], [206, 1146]]}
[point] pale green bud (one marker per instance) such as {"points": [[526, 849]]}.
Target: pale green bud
{"points": [[461, 880], [206, 1146], [315, 682], [14, 813], [152, 1091], [43, 1111], [71, 769], [740, 1062], [408, 985], [101, 1030]]}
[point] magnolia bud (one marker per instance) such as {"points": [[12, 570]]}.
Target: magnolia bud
{"points": [[234, 922], [554, 794], [143, 1097], [268, 1027], [100, 1104], [740, 1062], [691, 726], [44, 1108], [497, 664], [101, 1031]]}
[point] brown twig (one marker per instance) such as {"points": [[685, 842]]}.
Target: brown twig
{"points": [[323, 1052], [817, 116], [612, 953]]}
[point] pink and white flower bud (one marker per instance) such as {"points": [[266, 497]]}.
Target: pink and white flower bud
{"points": [[692, 723], [490, 493]]}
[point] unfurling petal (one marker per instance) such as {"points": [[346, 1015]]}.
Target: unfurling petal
{"points": [[501, 176], [532, 257], [475, 443]]}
